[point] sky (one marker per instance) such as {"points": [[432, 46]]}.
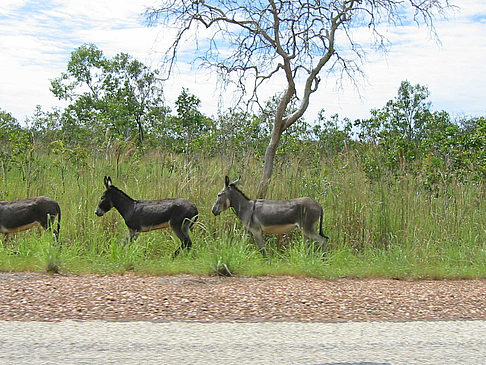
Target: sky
{"points": [[37, 38]]}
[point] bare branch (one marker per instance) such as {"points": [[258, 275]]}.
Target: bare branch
{"points": [[258, 40]]}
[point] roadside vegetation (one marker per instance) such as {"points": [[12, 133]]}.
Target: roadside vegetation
{"points": [[403, 192], [395, 226], [388, 228]]}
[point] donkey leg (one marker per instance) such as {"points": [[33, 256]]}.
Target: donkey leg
{"points": [[49, 224], [310, 231], [182, 232], [313, 235], [258, 236], [132, 236]]}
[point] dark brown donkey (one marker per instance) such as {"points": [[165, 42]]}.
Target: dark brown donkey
{"points": [[272, 216], [147, 215], [20, 215]]}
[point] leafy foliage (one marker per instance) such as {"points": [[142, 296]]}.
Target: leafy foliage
{"points": [[405, 136], [16, 148], [119, 94], [114, 102], [190, 129]]}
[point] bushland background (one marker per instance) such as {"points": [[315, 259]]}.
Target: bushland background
{"points": [[403, 192]]}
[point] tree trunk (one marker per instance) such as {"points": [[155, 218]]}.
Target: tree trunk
{"points": [[279, 126], [269, 161], [138, 120]]}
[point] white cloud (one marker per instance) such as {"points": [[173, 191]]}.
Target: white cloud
{"points": [[454, 70], [9, 5], [37, 38]]}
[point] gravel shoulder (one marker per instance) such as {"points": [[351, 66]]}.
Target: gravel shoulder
{"points": [[129, 297]]}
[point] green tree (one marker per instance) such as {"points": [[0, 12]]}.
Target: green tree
{"points": [[120, 93], [9, 131], [240, 133], [474, 142], [45, 126], [405, 135], [8, 124], [16, 148], [333, 135], [189, 126], [400, 126]]}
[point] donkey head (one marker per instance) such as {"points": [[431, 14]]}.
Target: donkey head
{"points": [[223, 200], [105, 203]]}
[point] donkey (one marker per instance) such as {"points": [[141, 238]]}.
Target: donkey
{"points": [[147, 215], [271, 216], [20, 215]]}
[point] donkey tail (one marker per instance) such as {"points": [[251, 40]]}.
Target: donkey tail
{"points": [[188, 223], [320, 226], [320, 223], [193, 220], [58, 221]]}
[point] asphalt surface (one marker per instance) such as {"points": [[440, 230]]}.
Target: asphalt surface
{"points": [[349, 343]]}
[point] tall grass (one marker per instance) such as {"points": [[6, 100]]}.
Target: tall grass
{"points": [[392, 228]]}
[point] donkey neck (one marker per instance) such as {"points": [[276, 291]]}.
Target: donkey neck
{"points": [[122, 202], [242, 205]]}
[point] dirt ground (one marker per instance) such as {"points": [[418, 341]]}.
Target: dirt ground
{"points": [[43, 297]]}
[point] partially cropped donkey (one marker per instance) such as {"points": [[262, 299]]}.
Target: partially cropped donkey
{"points": [[272, 216], [20, 215], [147, 215]]}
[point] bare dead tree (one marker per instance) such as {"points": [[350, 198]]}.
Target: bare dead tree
{"points": [[253, 41]]}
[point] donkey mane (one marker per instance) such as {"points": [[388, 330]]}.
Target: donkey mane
{"points": [[238, 190], [112, 187]]}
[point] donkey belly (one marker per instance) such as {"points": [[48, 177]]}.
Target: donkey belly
{"points": [[156, 226], [280, 228], [18, 228]]}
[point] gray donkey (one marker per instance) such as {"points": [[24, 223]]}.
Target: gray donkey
{"points": [[272, 216], [20, 215], [147, 215]]}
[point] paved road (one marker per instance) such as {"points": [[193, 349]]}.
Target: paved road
{"points": [[370, 343]]}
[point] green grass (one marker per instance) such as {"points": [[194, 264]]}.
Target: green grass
{"points": [[392, 228]]}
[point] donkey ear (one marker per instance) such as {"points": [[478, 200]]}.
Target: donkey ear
{"points": [[237, 181], [108, 181], [226, 181]]}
